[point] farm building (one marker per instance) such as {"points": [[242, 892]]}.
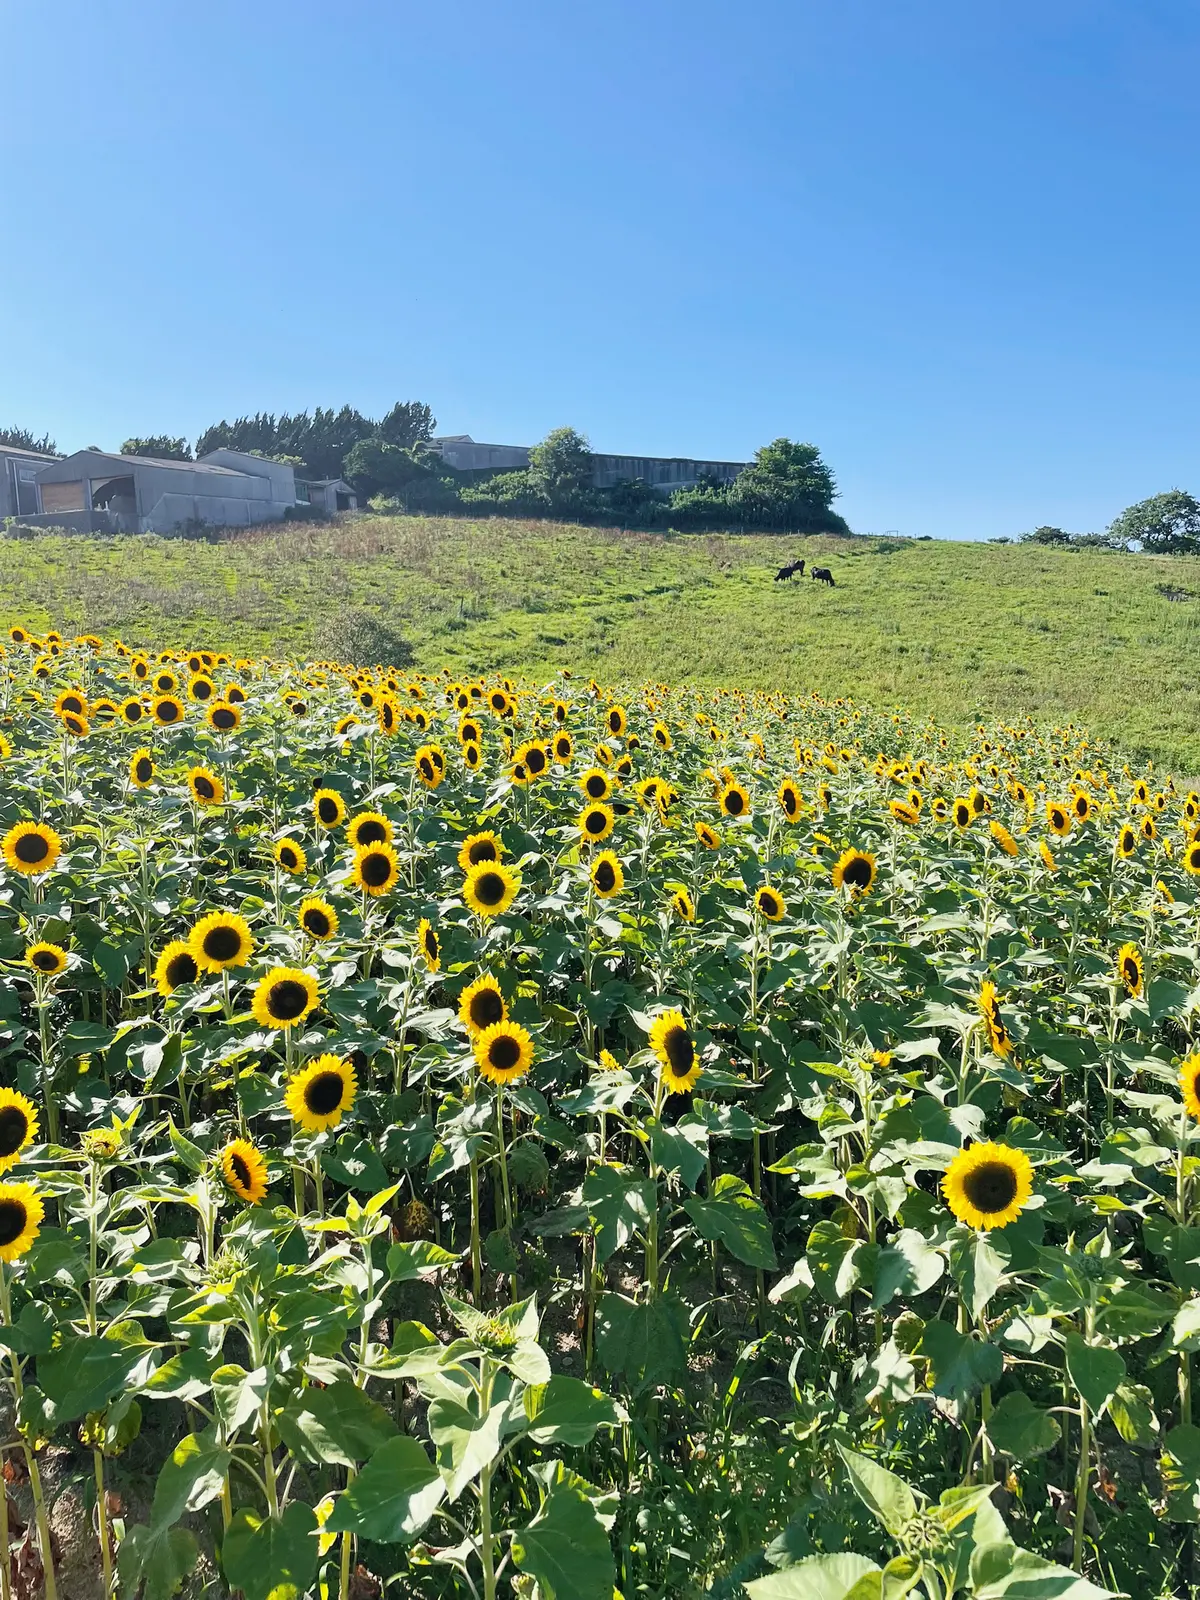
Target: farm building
{"points": [[665, 473], [18, 480], [94, 492]]}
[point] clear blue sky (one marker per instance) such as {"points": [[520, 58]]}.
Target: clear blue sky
{"points": [[954, 243]]}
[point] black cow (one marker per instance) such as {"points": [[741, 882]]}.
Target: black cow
{"points": [[823, 575], [786, 572]]}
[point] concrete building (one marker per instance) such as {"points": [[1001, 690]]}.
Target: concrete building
{"points": [[95, 492], [18, 480], [665, 473]]}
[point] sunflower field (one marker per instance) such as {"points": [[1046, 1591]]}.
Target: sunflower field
{"points": [[478, 1138]]}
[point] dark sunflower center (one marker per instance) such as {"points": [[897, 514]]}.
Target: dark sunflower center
{"points": [[536, 761], [594, 821], [73, 703], [327, 809], [504, 1053], [489, 888], [14, 1126], [375, 869], [316, 922], [431, 944], [222, 943], [202, 690], [482, 850], [371, 833], [241, 1170], [133, 713], [991, 1187], [606, 876], [45, 960], [205, 787], [614, 722], [427, 767], [223, 717], [734, 803], [288, 857], [31, 848], [181, 969], [486, 1008], [144, 770], [681, 1052], [596, 787], [1129, 968], [789, 802], [323, 1094], [858, 873], [13, 1218], [287, 999], [168, 713], [769, 904]]}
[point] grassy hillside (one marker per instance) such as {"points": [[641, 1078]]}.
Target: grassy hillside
{"points": [[958, 630]]}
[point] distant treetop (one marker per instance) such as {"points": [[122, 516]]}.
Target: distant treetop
{"points": [[160, 446], [22, 439]]}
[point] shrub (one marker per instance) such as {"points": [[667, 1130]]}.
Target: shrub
{"points": [[364, 639]]}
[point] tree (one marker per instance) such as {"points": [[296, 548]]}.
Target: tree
{"points": [[408, 423], [160, 445], [1166, 524], [560, 468], [1046, 535], [787, 485], [22, 439], [375, 467]]}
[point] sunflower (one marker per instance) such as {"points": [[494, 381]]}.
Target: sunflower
{"points": [[141, 768], [477, 847], [1047, 856], [676, 1052], [166, 709], [1191, 859], [1130, 969], [220, 941], [789, 798], [733, 801], [201, 689], [133, 711], [245, 1170], [48, 959], [1127, 842], [481, 1005], [1003, 838], [470, 731], [964, 813], [284, 997], [940, 807], [32, 848], [595, 784], [176, 966], [1081, 807], [903, 812], [234, 695], [222, 717], [1149, 831], [854, 870], [1058, 818], [608, 878], [430, 764], [595, 822], [988, 1185], [769, 903], [708, 837], [999, 1038], [318, 918], [615, 720], [662, 736], [429, 944], [206, 788], [78, 727], [329, 808], [21, 1213], [317, 1096], [1189, 1082], [72, 702], [290, 856], [472, 757], [683, 905], [534, 756], [503, 1052], [18, 1126], [491, 888], [368, 827], [376, 869]]}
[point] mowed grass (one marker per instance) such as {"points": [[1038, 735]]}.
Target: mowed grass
{"points": [[961, 632]]}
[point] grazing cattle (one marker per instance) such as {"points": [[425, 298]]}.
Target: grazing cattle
{"points": [[823, 575], [786, 572]]}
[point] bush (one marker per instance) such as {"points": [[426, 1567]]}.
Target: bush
{"points": [[363, 639]]}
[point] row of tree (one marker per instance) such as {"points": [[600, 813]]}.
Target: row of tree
{"points": [[1165, 525]]}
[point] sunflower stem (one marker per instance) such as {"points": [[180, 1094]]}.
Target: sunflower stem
{"points": [[43, 1005], [35, 1477], [476, 1254]]}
